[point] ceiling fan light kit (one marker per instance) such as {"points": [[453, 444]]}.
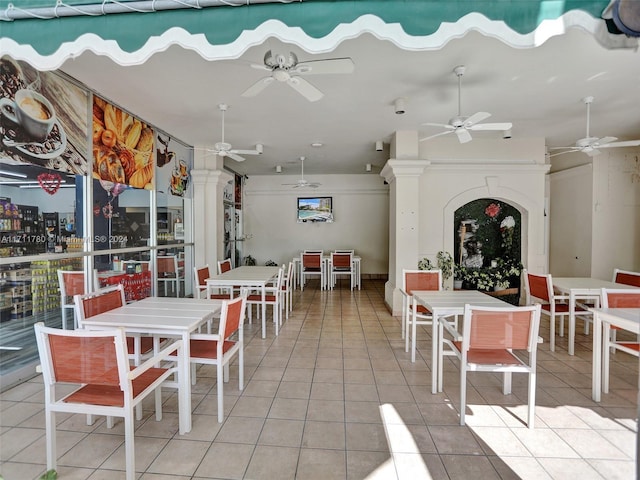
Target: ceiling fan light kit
{"points": [[461, 124]]}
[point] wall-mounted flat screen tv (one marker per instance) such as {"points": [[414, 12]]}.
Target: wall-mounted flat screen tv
{"points": [[315, 209]]}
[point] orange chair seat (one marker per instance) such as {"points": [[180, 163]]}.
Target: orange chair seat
{"points": [[208, 348], [562, 308], [421, 309], [258, 298], [487, 356], [219, 296], [312, 269], [630, 345], [111, 395]]}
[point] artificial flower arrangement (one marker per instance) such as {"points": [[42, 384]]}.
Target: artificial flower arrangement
{"points": [[486, 278]]}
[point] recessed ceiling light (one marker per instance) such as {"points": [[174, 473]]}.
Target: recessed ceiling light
{"points": [[316, 144]]}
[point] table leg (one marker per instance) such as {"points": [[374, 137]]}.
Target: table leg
{"points": [[434, 351], [596, 368], [184, 386], [264, 312], [572, 322]]}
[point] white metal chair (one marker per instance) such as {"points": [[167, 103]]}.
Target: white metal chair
{"points": [[342, 264], [97, 361], [617, 298], [218, 349], [490, 336], [416, 280], [224, 266], [287, 289], [169, 273], [273, 297], [539, 289], [71, 283], [311, 264]]}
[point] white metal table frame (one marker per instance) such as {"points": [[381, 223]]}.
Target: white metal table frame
{"points": [[166, 317], [581, 288], [603, 318], [246, 277], [445, 303]]}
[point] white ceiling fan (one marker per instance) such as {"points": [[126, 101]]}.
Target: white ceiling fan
{"points": [[224, 149], [460, 125], [302, 183], [287, 69], [589, 144]]}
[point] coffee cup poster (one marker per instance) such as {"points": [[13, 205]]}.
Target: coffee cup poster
{"points": [[174, 161], [43, 119], [122, 147]]}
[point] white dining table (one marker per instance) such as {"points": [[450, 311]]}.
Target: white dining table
{"points": [[581, 288], [603, 319], [164, 317], [445, 303], [246, 277]]}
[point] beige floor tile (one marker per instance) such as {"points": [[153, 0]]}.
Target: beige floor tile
{"points": [[327, 391], [367, 436], [225, 460], [369, 465], [614, 469], [324, 435], [298, 375], [36, 452], [543, 442], [17, 439], [261, 388], [500, 441], [569, 468], [282, 433], [318, 464], [469, 466], [298, 390], [92, 451], [289, 408], [241, 430], [395, 393], [146, 448], [326, 410], [328, 375], [19, 412], [518, 468], [362, 412], [268, 373], [454, 440], [179, 457], [355, 392], [252, 407], [272, 462], [589, 444]]}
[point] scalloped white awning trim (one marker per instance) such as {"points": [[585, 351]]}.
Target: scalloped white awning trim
{"points": [[371, 24]]}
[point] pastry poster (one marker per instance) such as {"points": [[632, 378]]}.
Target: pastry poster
{"points": [[122, 146], [43, 119], [175, 162]]}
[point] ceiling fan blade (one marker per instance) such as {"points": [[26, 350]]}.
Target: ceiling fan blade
{"points": [[566, 151], [475, 118], [245, 152], [257, 66], [604, 140], [569, 149], [463, 135], [305, 89], [630, 143], [257, 87], [442, 125], [328, 66], [491, 126], [235, 157], [436, 135]]}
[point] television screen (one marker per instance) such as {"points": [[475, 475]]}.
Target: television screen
{"points": [[315, 209]]}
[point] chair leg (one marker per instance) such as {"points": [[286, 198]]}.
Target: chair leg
{"points": [[130, 454], [532, 399], [220, 380], [158, 402], [50, 426], [463, 391], [413, 341], [552, 332], [506, 383]]}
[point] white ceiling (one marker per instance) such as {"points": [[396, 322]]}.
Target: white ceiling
{"points": [[538, 89]]}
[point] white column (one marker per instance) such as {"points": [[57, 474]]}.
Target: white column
{"points": [[403, 173], [208, 216]]}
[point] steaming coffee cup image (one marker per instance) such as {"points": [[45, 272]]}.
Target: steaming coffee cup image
{"points": [[31, 111]]}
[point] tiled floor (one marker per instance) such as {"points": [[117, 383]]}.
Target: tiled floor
{"points": [[311, 409]]}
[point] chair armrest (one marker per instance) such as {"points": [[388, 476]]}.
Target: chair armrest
{"points": [[212, 337], [449, 328], [153, 361]]}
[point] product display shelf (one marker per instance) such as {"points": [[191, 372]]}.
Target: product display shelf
{"points": [[44, 286]]}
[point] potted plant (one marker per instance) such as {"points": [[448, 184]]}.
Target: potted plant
{"points": [[459, 273], [445, 264]]}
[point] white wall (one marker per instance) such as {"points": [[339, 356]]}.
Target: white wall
{"points": [[62, 201], [360, 208], [570, 241]]}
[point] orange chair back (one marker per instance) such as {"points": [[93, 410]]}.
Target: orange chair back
{"points": [[73, 283], [225, 266], [84, 360], [628, 279], [538, 286], [311, 260], [102, 301], [341, 260], [166, 266], [500, 330], [423, 280], [234, 315], [623, 300], [202, 274]]}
